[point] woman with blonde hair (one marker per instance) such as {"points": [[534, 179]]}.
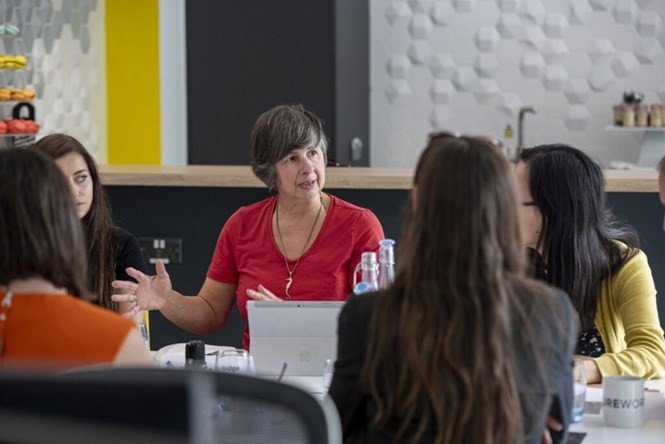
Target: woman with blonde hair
{"points": [[462, 347]]}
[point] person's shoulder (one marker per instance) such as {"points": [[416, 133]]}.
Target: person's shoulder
{"points": [[251, 213], [254, 208], [90, 313], [346, 209], [634, 260], [359, 304], [121, 236], [343, 205], [542, 298]]}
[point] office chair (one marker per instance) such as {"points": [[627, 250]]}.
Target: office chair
{"points": [[194, 406], [105, 407], [264, 411]]}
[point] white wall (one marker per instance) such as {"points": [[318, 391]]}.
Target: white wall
{"points": [[463, 65], [468, 65]]}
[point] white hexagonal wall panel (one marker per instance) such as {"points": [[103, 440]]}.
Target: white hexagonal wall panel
{"points": [[442, 91], [442, 66], [555, 24], [624, 63], [397, 13], [510, 26], [486, 38], [471, 65], [420, 26], [649, 24], [442, 13], [486, 65], [398, 66]]}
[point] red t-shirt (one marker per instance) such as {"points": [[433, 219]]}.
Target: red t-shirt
{"points": [[246, 254]]}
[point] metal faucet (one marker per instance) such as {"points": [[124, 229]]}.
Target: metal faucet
{"points": [[520, 128]]}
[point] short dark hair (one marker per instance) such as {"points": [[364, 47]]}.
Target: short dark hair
{"points": [[40, 233], [279, 131]]}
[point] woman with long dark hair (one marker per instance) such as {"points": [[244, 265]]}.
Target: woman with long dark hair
{"points": [[110, 249], [578, 245], [462, 347], [45, 320]]}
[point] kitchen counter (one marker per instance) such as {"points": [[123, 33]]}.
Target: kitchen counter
{"points": [[636, 181]]}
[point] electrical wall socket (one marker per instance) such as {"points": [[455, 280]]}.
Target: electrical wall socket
{"points": [[168, 249]]}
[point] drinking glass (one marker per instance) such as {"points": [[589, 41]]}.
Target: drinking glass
{"points": [[233, 361], [579, 390], [328, 370]]}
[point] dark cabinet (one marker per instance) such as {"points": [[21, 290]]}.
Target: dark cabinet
{"points": [[244, 57]]}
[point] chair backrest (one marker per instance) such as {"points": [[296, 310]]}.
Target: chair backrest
{"points": [[165, 405], [263, 411], [105, 407]]}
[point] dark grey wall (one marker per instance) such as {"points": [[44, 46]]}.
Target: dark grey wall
{"points": [[244, 57], [197, 215]]}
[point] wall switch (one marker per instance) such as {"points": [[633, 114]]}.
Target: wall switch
{"points": [[168, 249]]}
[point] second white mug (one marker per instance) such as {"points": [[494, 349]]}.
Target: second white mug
{"points": [[623, 401]]}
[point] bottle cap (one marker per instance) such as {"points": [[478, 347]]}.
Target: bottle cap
{"points": [[368, 259], [362, 287], [386, 251]]}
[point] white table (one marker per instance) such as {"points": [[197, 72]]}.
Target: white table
{"points": [[311, 384], [597, 432], [653, 431]]}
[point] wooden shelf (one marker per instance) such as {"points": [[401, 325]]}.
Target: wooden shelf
{"points": [[640, 181]]}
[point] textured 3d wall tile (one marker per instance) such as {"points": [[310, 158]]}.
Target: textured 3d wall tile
{"points": [[469, 66], [63, 41]]}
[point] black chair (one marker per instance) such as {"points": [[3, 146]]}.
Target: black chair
{"points": [[105, 408], [136, 404]]}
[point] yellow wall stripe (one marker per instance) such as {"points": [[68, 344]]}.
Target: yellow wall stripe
{"points": [[132, 81]]}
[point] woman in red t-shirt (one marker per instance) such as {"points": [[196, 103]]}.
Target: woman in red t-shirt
{"points": [[300, 243]]}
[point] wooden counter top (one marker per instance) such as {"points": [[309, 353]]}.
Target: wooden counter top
{"points": [[640, 181]]}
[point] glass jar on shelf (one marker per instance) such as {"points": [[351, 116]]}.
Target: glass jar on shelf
{"points": [[641, 115], [628, 116], [656, 115]]}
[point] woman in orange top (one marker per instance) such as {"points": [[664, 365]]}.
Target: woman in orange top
{"points": [[44, 321]]}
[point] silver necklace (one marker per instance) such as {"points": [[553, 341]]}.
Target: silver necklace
{"points": [[289, 280]]}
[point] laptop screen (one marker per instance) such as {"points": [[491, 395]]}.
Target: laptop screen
{"points": [[302, 334]]}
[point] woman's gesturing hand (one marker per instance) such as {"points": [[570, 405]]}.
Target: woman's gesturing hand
{"points": [[262, 294], [147, 293]]}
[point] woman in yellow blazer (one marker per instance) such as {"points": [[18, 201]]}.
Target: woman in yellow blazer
{"points": [[577, 244]]}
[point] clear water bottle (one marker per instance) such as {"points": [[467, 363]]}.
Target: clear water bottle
{"points": [[386, 262], [369, 269]]}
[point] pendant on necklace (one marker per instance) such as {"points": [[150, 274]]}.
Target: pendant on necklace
{"points": [[289, 281]]}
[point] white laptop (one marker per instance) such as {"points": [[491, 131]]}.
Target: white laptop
{"points": [[302, 334]]}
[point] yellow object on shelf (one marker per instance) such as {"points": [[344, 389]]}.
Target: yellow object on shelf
{"points": [[12, 61], [16, 94]]}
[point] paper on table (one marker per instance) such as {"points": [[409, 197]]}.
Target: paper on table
{"points": [[173, 355], [656, 385]]}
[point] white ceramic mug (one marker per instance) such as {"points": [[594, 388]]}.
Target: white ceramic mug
{"points": [[623, 401]]}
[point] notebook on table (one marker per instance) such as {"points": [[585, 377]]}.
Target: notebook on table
{"points": [[302, 334]]}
